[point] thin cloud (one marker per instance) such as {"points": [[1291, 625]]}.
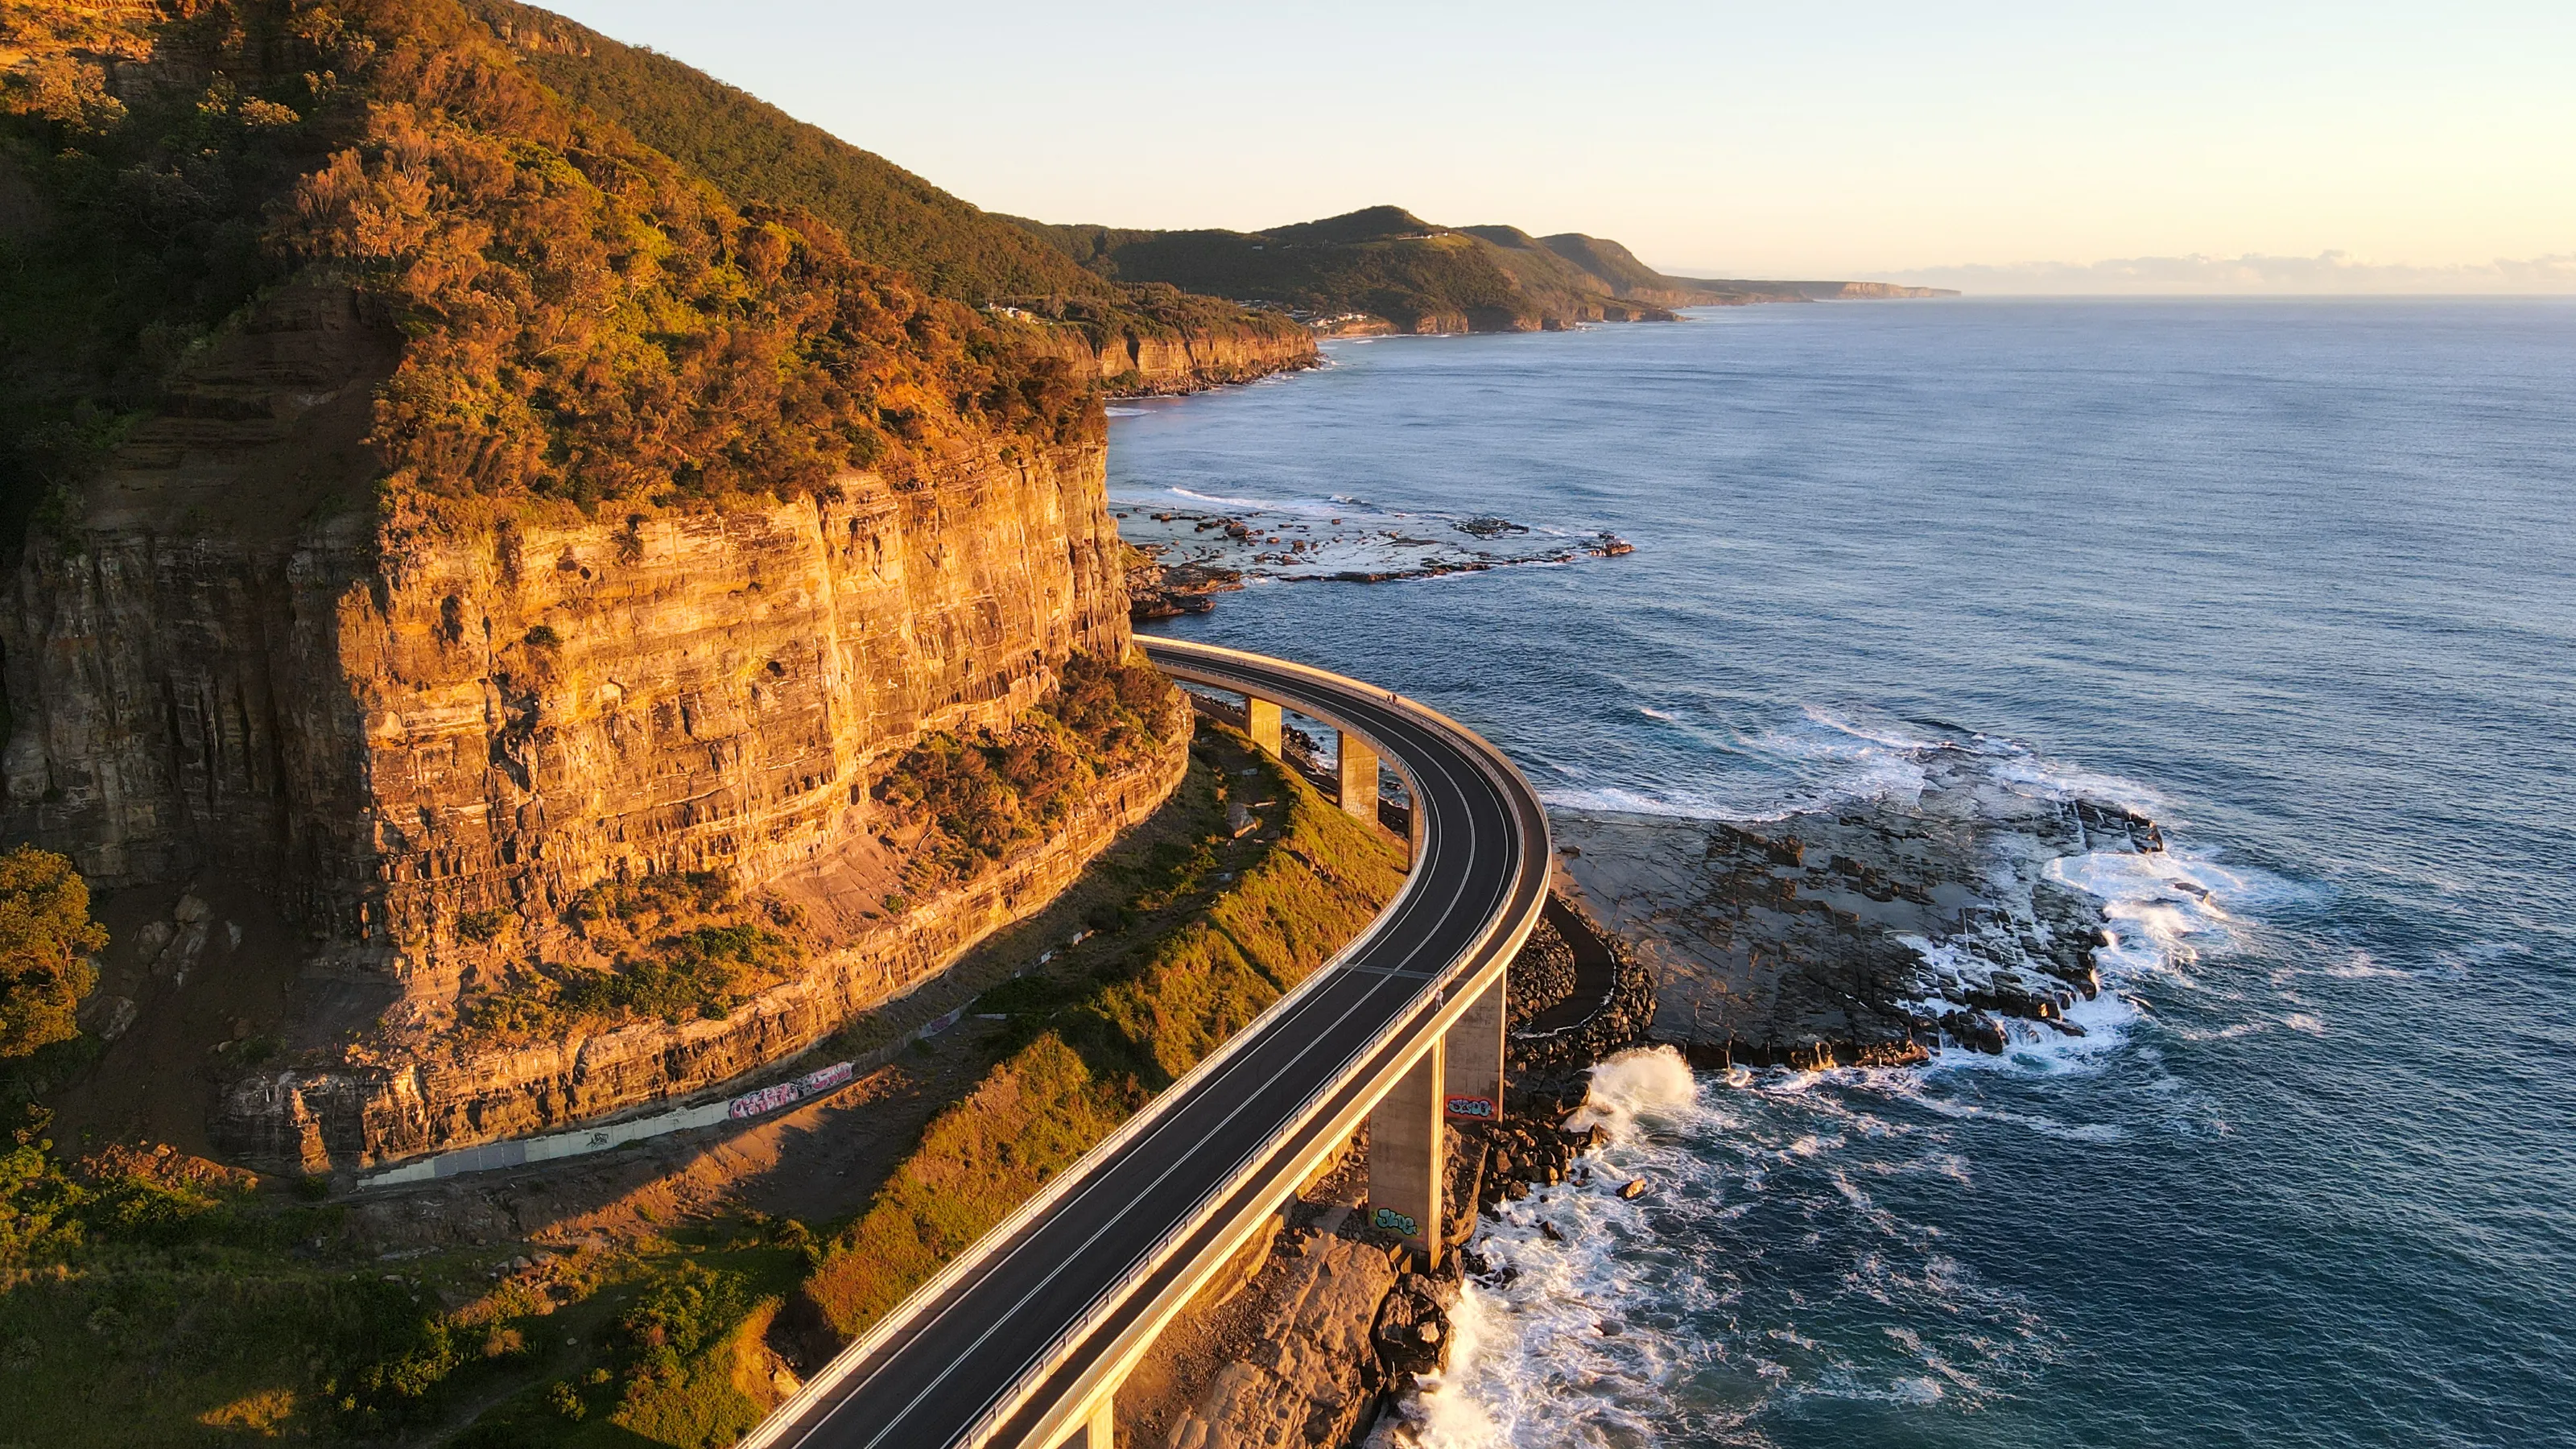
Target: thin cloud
{"points": [[2325, 274]]}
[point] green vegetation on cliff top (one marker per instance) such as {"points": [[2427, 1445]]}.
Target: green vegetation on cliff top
{"points": [[759, 154], [571, 312], [1387, 262]]}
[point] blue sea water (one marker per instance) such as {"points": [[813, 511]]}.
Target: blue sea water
{"points": [[2299, 577]]}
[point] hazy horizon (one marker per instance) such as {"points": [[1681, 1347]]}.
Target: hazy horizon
{"points": [[2196, 149], [2330, 274]]}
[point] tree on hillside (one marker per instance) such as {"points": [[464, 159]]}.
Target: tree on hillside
{"points": [[46, 936]]}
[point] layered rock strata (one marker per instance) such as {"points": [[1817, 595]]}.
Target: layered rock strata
{"points": [[229, 659], [1137, 363], [1313, 1377], [423, 1098]]}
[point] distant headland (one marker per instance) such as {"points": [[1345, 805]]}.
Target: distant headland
{"points": [[1384, 269]]}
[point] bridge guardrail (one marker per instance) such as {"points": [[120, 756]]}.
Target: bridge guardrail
{"points": [[1060, 1345]]}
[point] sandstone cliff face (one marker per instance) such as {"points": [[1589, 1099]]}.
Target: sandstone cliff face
{"points": [[170, 639], [229, 658], [415, 1098], [1186, 359], [550, 703]]}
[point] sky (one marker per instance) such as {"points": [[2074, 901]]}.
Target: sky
{"points": [[2074, 147]]}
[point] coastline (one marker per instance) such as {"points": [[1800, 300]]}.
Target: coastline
{"points": [[1318, 1331]]}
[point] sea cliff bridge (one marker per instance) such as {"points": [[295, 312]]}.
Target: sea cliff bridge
{"points": [[1022, 1341]]}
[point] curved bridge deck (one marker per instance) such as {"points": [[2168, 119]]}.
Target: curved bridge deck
{"points": [[1022, 1339]]}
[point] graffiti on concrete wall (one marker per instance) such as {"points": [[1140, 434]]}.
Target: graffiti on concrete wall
{"points": [[777, 1095]]}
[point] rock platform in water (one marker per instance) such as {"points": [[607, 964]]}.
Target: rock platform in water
{"points": [[1192, 551], [1863, 933]]}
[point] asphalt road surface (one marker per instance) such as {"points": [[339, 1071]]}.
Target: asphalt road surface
{"points": [[1006, 1341]]}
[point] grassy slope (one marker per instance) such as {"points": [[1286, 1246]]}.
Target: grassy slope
{"points": [[171, 1315], [1092, 1057], [1545, 272]]}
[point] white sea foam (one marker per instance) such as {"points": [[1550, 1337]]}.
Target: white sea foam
{"points": [[1623, 800], [1645, 1082], [1535, 1367], [1334, 535], [2161, 910], [1824, 763], [2362, 966], [1633, 1310], [1269, 505]]}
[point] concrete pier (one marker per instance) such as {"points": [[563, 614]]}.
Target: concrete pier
{"points": [[1262, 718], [1359, 777], [1472, 1090], [1408, 1155], [1099, 1428], [1057, 1313]]}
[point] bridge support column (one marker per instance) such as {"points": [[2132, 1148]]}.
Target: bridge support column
{"points": [[1409, 1157], [1359, 777], [1261, 718], [1473, 1091], [1099, 1425]]}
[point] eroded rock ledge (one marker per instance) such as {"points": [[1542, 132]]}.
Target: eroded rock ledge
{"points": [[1871, 933], [421, 1098]]}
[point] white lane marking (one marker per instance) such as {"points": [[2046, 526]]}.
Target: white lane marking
{"points": [[1337, 1075], [1182, 1158], [996, 1326], [1450, 779]]}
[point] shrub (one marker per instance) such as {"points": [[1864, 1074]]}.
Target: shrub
{"points": [[46, 936], [983, 798], [678, 1386], [675, 945]]}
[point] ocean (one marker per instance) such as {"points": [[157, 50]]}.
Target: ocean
{"points": [[2295, 578]]}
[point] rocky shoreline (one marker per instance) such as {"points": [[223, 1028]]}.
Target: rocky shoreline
{"points": [[1861, 933], [1873, 933], [1180, 557], [1318, 1327]]}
